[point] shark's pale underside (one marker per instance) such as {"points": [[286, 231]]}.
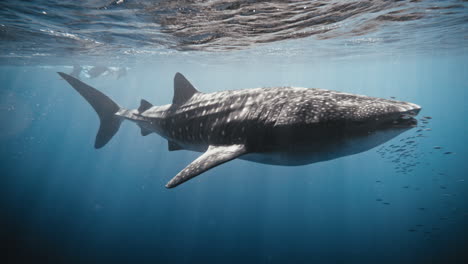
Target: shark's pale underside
{"points": [[280, 125]]}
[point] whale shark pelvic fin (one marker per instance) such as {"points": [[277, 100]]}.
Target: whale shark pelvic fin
{"points": [[183, 90], [104, 107], [171, 146], [214, 156]]}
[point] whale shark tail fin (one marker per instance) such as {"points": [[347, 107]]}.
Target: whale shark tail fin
{"points": [[104, 107]]}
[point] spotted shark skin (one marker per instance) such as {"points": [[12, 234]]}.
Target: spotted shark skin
{"points": [[279, 125]]}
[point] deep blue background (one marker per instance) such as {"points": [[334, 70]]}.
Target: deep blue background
{"points": [[63, 201]]}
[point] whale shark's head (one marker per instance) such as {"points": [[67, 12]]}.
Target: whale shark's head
{"points": [[385, 114], [404, 115], [401, 114]]}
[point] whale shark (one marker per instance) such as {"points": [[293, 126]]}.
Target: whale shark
{"points": [[287, 126]]}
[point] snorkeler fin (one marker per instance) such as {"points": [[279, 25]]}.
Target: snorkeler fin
{"points": [[104, 107]]}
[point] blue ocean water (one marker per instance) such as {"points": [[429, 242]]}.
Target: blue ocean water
{"points": [[62, 201]]}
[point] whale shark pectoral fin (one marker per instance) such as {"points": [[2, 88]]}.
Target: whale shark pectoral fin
{"points": [[171, 146], [214, 156], [183, 89]]}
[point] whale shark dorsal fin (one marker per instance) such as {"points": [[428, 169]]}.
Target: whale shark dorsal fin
{"points": [[144, 105], [171, 146], [183, 89], [214, 156]]}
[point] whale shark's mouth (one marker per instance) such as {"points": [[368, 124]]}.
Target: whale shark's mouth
{"points": [[405, 121], [407, 118]]}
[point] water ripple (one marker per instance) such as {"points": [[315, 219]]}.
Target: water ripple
{"points": [[101, 28]]}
